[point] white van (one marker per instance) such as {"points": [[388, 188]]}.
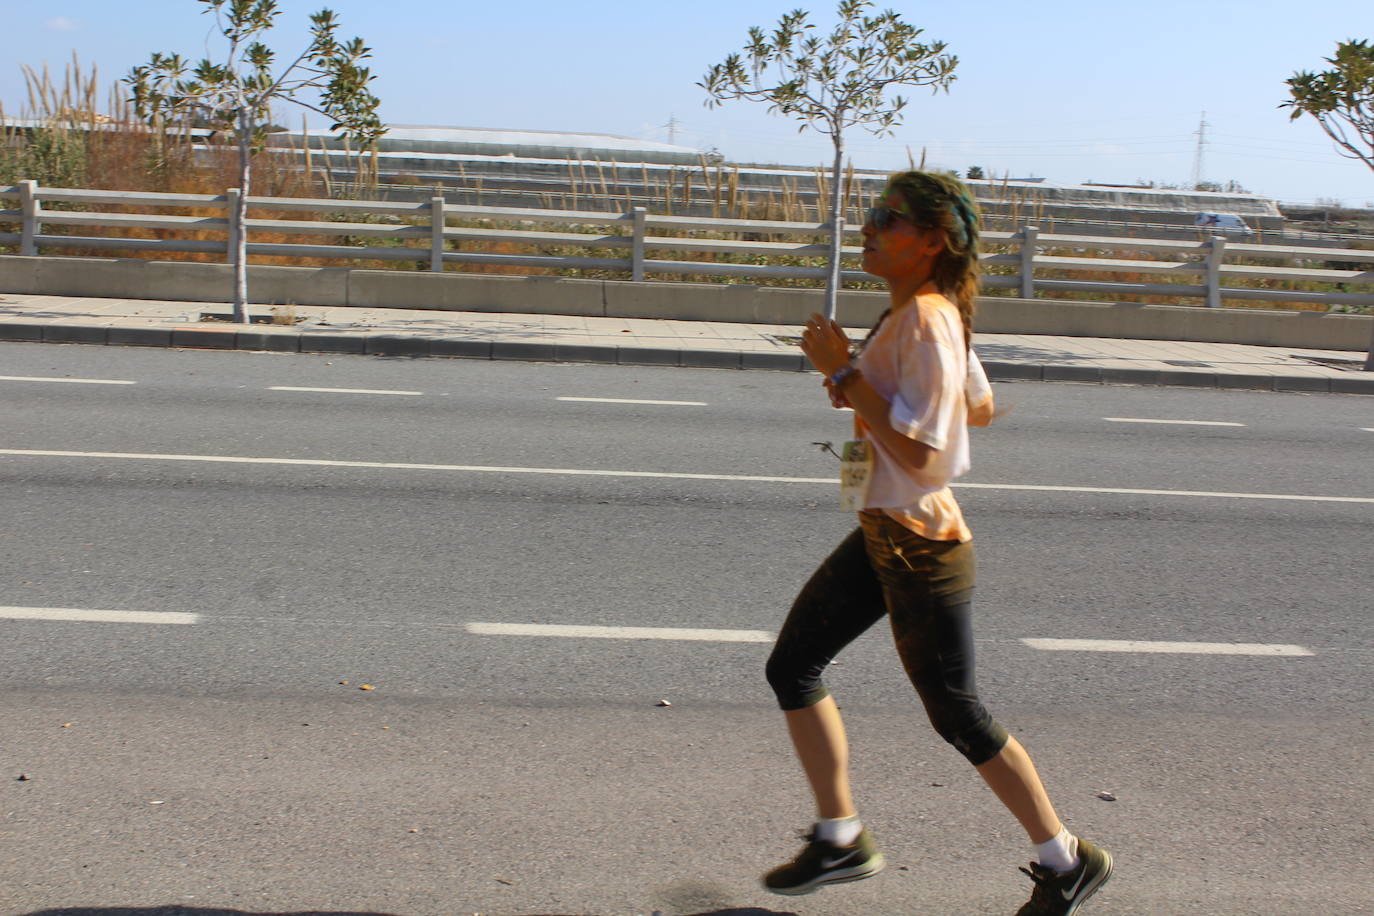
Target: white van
{"points": [[1223, 223]]}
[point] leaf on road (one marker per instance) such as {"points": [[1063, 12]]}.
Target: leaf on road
{"points": [[663, 703], [1106, 796], [366, 687]]}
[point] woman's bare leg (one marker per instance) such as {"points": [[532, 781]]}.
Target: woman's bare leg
{"points": [[818, 736], [1012, 777]]}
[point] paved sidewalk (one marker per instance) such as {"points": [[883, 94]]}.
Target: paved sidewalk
{"points": [[633, 341]]}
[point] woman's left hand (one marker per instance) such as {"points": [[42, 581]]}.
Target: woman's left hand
{"points": [[837, 398], [825, 344]]}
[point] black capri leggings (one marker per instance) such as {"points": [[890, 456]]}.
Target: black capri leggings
{"points": [[925, 587]]}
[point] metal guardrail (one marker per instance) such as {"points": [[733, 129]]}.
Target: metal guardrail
{"points": [[479, 189], [629, 234]]}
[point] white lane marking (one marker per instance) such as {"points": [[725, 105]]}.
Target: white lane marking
{"points": [[660, 475], [407, 466], [1182, 648], [343, 390], [75, 381], [95, 616], [636, 401], [1124, 491], [1175, 422], [1121, 490], [1368, 429], [581, 632]]}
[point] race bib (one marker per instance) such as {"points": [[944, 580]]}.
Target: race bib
{"points": [[856, 473]]}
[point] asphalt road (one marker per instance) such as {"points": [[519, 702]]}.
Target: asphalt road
{"points": [[220, 763]]}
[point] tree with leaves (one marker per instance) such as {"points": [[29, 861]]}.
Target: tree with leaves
{"points": [[1342, 101], [833, 83], [236, 96]]}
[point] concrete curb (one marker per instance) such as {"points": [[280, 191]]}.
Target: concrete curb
{"points": [[433, 345], [1049, 372]]}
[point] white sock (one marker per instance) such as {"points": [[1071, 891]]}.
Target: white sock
{"points": [[839, 831], [1059, 852]]}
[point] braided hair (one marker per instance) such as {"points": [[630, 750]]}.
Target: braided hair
{"points": [[942, 201]]}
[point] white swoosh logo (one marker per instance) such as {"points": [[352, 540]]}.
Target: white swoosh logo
{"points": [[831, 863], [1069, 894]]}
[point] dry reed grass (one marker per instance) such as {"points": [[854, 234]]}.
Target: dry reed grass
{"points": [[72, 143]]}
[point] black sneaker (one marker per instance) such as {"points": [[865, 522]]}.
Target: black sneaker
{"points": [[822, 862], [1062, 895]]}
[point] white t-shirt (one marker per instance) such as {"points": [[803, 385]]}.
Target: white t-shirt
{"points": [[919, 363]]}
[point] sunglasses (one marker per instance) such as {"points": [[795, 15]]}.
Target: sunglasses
{"points": [[882, 217]]}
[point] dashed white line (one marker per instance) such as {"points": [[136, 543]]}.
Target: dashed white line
{"points": [[655, 475], [343, 390], [585, 632], [1174, 422], [96, 616], [677, 634], [1180, 648], [74, 381], [636, 401]]}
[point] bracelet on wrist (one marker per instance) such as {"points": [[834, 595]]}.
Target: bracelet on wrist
{"points": [[843, 376]]}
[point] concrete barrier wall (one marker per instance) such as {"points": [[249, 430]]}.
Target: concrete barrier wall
{"points": [[191, 281], [187, 281], [1131, 321]]}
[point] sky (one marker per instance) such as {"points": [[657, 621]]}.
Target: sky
{"points": [[1068, 90]]}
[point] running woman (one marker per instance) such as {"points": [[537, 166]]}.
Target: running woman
{"points": [[915, 389]]}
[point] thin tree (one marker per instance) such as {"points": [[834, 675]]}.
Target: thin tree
{"points": [[833, 83], [236, 96], [1342, 101]]}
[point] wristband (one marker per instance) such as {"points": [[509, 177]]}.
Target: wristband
{"points": [[843, 376]]}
